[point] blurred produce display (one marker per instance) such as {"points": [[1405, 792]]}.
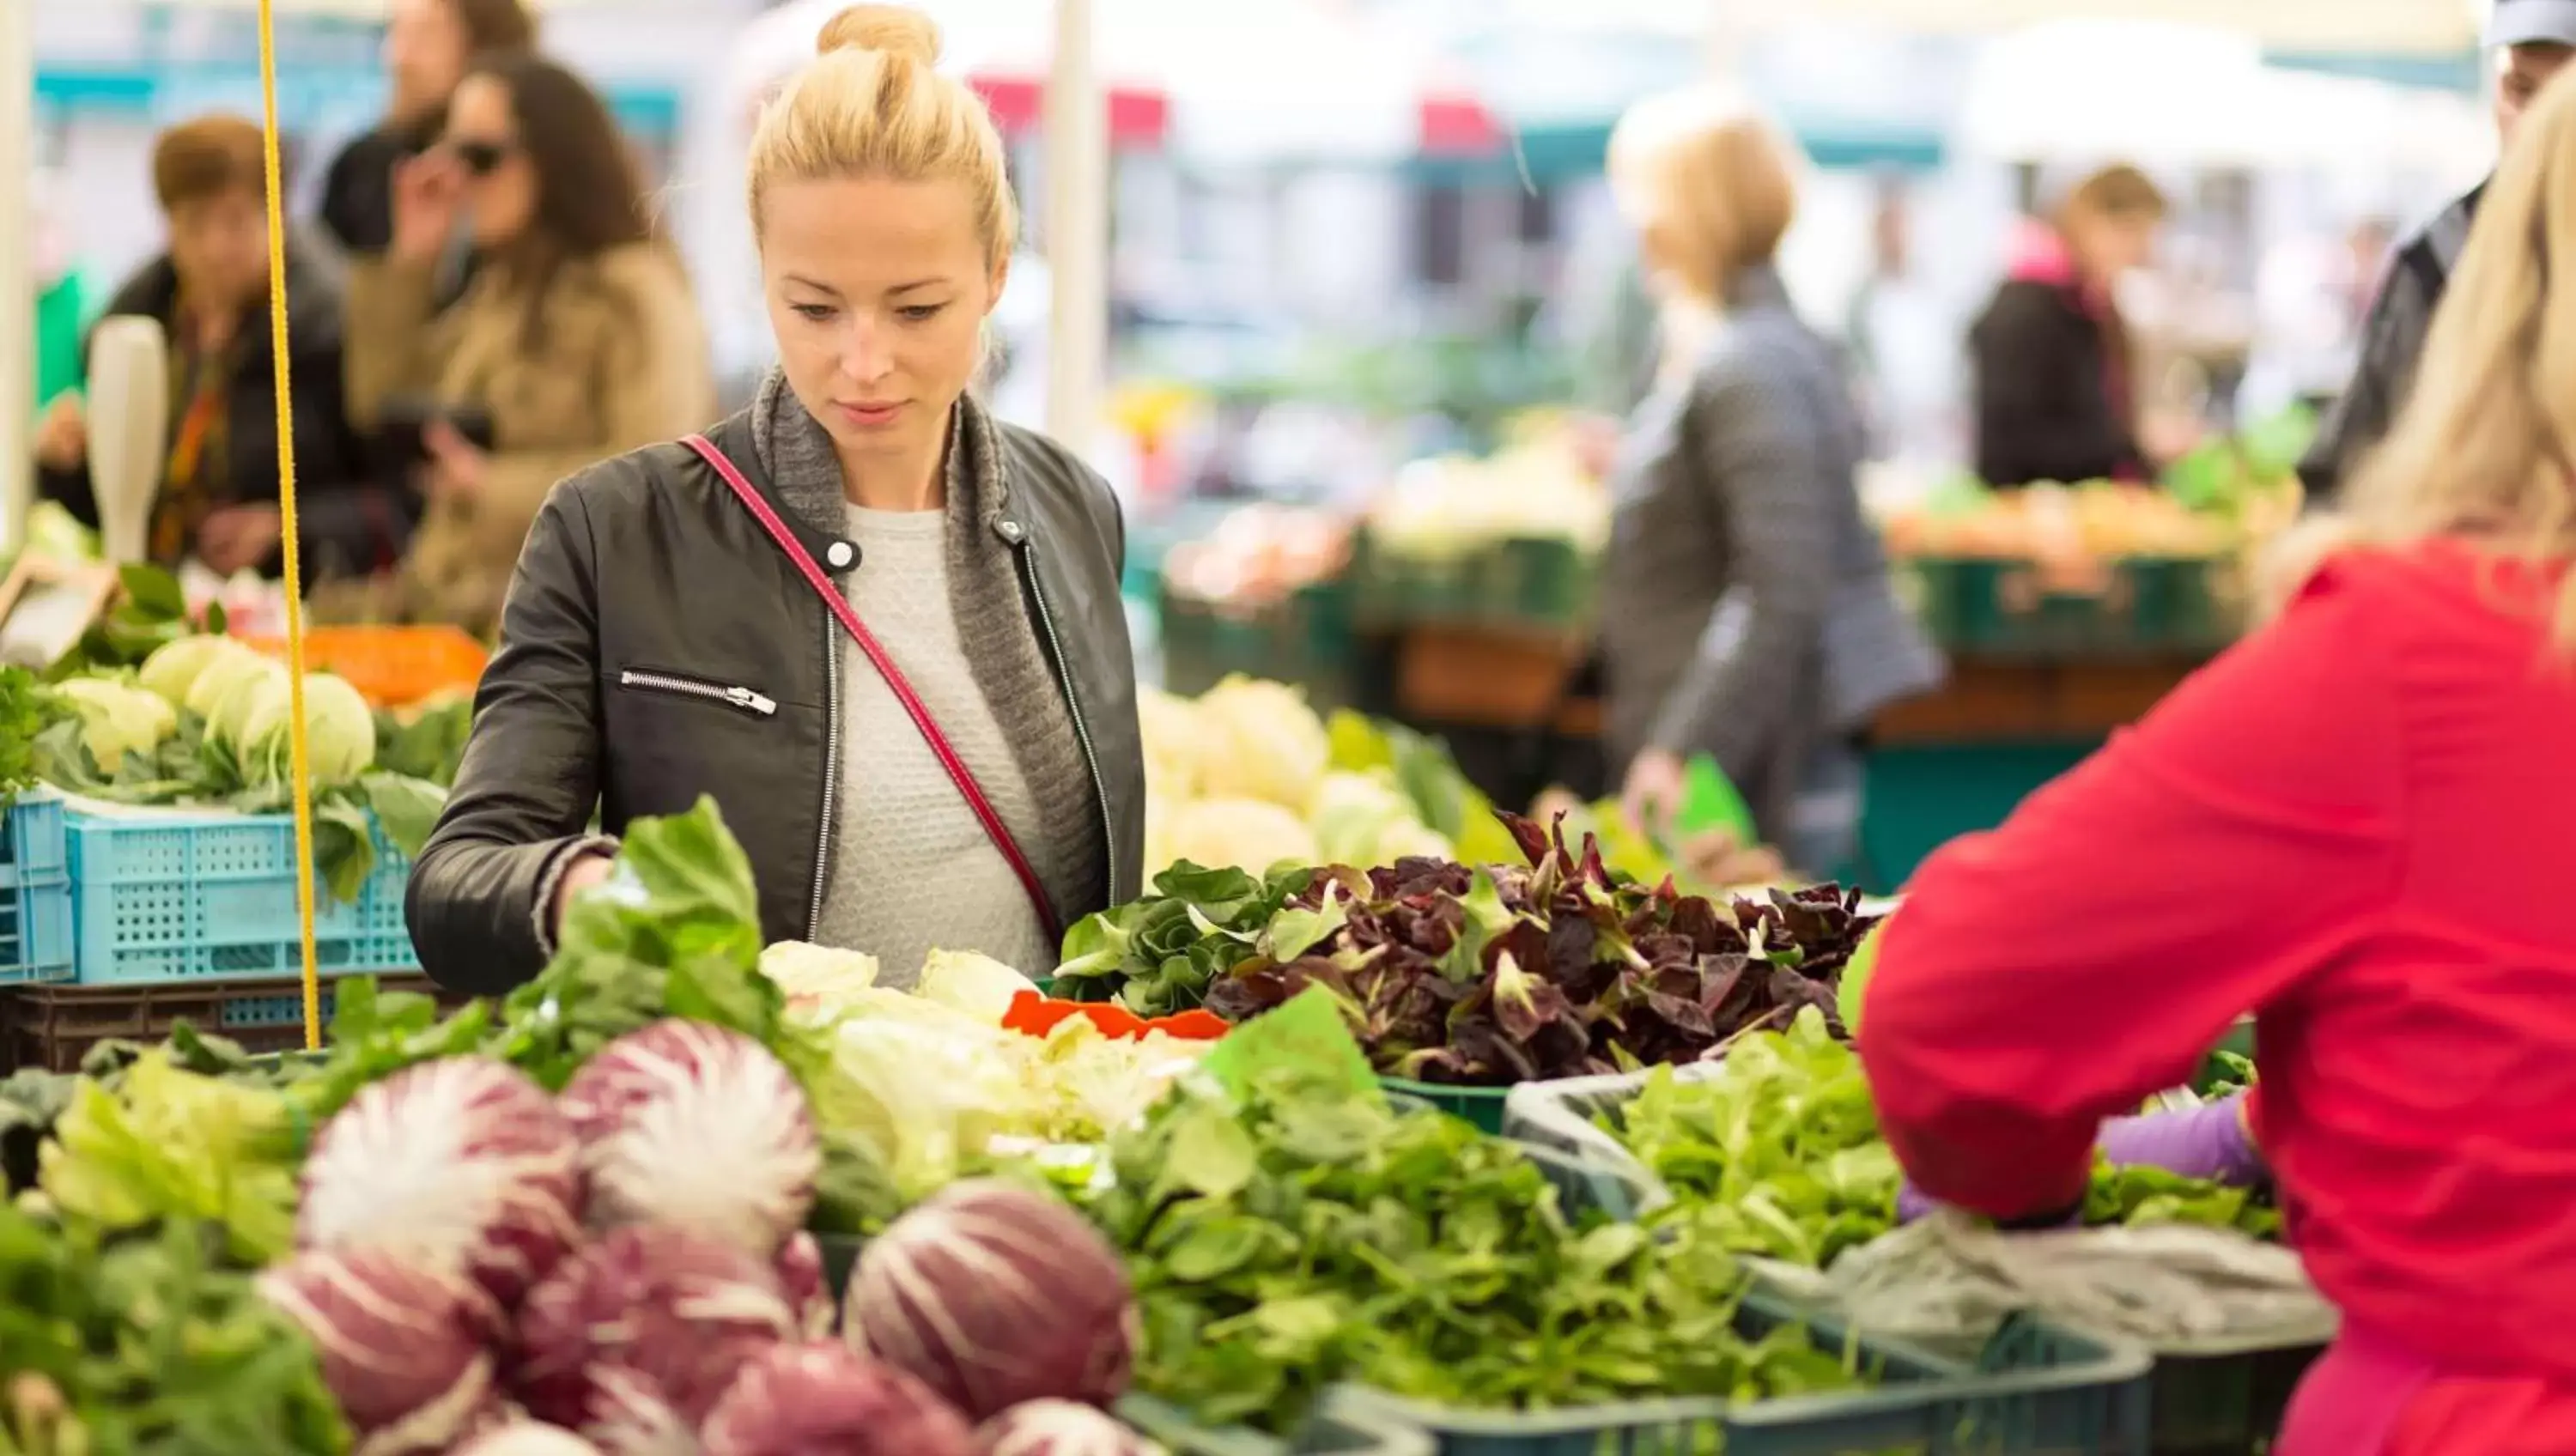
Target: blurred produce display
{"points": [[2101, 568]]}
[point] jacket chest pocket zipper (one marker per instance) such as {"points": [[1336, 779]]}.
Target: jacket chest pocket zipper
{"points": [[743, 699]]}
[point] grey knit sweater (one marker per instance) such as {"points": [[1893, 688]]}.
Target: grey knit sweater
{"points": [[1018, 740]]}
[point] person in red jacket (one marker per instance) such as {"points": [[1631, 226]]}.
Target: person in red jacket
{"points": [[2356, 826]]}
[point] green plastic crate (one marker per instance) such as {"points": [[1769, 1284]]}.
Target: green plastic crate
{"points": [[2046, 1393], [1343, 1426], [1480, 1106], [1523, 583], [2223, 1398], [1304, 639], [2185, 604]]}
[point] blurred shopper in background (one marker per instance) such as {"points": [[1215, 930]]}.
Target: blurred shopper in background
{"points": [[2530, 41], [2352, 826], [209, 293], [428, 44], [2057, 394], [1747, 609], [959, 766], [1903, 346], [577, 340]]}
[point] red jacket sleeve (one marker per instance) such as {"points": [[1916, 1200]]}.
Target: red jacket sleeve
{"points": [[2090, 951]]}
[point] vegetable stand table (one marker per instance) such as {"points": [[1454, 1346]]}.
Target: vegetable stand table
{"points": [[1961, 758]]}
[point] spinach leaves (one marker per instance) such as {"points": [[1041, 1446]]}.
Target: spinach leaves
{"points": [[1310, 1233]]}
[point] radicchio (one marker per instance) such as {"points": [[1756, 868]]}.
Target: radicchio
{"points": [[994, 1294], [697, 1127], [462, 1164], [808, 1285], [521, 1437], [630, 1341], [402, 1346], [1057, 1428], [800, 1399]]}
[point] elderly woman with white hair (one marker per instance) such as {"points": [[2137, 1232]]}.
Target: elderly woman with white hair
{"points": [[1747, 610]]}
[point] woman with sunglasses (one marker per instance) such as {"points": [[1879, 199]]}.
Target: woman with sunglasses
{"points": [[880, 628], [577, 339]]}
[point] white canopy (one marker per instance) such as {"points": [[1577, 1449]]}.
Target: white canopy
{"points": [[2382, 26], [2182, 96]]}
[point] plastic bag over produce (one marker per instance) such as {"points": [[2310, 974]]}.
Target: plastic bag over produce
{"points": [[1948, 1281]]}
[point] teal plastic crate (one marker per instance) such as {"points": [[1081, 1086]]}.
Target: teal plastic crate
{"points": [[1481, 1106], [195, 897], [2042, 1392], [36, 940], [1345, 1425]]}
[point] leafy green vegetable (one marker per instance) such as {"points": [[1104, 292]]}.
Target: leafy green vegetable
{"points": [[1486, 977], [1312, 1233], [1780, 1145], [151, 613], [1159, 955], [675, 931], [427, 744], [2142, 1194], [21, 717], [169, 1144], [191, 767], [149, 1346]]}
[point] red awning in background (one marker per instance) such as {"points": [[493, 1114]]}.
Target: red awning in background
{"points": [[1139, 117]]}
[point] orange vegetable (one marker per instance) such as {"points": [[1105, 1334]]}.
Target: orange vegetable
{"points": [[1035, 1015]]}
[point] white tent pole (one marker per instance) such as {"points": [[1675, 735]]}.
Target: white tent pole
{"points": [[17, 269], [1077, 232]]}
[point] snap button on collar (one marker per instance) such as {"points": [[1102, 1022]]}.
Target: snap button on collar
{"points": [[839, 554]]}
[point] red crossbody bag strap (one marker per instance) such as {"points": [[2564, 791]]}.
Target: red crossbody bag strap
{"points": [[895, 681]]}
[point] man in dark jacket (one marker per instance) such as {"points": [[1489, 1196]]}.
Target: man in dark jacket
{"points": [[428, 44], [2531, 40], [218, 496]]}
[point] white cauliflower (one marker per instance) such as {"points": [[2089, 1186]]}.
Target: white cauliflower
{"points": [[1259, 740], [1170, 729], [1246, 834]]}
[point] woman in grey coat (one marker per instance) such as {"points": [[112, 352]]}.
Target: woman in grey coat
{"points": [[1747, 610]]}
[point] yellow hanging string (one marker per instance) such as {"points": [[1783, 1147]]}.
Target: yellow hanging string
{"points": [[296, 744]]}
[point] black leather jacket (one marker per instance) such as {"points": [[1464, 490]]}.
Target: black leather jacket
{"points": [[649, 562]]}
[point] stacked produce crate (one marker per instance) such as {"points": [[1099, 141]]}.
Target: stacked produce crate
{"points": [[2096, 571], [155, 877]]}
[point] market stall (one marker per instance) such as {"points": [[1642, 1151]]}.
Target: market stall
{"points": [[697, 1194]]}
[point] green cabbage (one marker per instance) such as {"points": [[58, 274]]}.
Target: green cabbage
{"points": [[339, 731], [117, 719], [174, 667]]}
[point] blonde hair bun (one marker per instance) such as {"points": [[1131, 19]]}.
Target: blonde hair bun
{"points": [[892, 30]]}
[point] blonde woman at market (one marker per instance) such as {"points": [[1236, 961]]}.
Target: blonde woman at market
{"points": [[879, 627], [2354, 827], [576, 340], [1747, 611]]}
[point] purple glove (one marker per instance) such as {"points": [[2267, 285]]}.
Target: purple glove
{"points": [[2208, 1141]]}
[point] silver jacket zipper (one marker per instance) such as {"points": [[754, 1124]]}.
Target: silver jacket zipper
{"points": [[663, 682], [831, 770], [1018, 537]]}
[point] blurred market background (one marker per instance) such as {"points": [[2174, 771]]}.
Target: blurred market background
{"points": [[1336, 294]]}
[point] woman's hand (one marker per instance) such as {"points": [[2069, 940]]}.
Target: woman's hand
{"points": [[580, 875], [1653, 790], [62, 436], [457, 470], [237, 537], [428, 195]]}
